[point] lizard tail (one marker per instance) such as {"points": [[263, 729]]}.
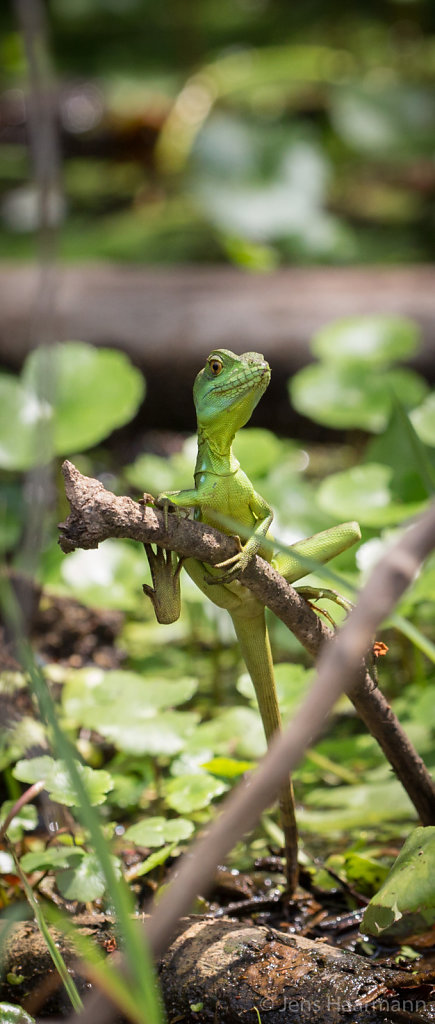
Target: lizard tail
{"points": [[255, 647], [321, 547]]}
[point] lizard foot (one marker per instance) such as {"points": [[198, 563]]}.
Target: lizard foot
{"points": [[164, 503], [234, 565], [312, 594], [165, 569]]}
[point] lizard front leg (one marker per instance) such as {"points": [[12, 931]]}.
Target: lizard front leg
{"points": [[165, 565], [165, 595], [262, 516]]}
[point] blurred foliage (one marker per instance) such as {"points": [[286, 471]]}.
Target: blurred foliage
{"points": [[256, 132]]}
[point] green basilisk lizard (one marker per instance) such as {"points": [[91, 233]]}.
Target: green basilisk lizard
{"points": [[225, 393]]}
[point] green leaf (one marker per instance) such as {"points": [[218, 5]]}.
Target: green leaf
{"points": [[364, 873], [57, 779], [376, 340], [405, 905], [365, 493], [127, 693], [85, 881], [33, 769], [347, 395], [91, 392], [158, 831], [192, 792], [423, 419], [20, 413], [163, 734], [400, 448], [124, 707], [342, 808], [154, 860], [10, 1014], [95, 390], [233, 731], [53, 857], [228, 767]]}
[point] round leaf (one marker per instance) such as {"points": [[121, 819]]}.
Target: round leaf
{"points": [[347, 395], [364, 493], [127, 694], [192, 792], [124, 707], [53, 857], [86, 881], [373, 339], [58, 781], [158, 831], [95, 390]]}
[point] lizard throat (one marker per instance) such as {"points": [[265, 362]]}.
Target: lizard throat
{"points": [[215, 455]]}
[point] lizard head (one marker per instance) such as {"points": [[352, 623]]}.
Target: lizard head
{"points": [[230, 384]]}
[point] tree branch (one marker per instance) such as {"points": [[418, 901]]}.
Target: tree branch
{"points": [[97, 514]]}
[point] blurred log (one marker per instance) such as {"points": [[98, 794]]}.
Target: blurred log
{"points": [[222, 970], [168, 320]]}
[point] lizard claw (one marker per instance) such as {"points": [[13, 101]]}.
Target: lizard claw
{"points": [[164, 503], [234, 565], [234, 558]]}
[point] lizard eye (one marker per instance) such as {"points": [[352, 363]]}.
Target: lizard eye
{"points": [[216, 365]]}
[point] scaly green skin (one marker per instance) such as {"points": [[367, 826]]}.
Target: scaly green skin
{"points": [[225, 393]]}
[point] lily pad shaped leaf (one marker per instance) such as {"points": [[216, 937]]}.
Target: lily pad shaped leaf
{"points": [[158, 831], [68, 398], [365, 493], [85, 881], [352, 394], [133, 712], [405, 905], [377, 340], [95, 390], [58, 782], [192, 792], [54, 857]]}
